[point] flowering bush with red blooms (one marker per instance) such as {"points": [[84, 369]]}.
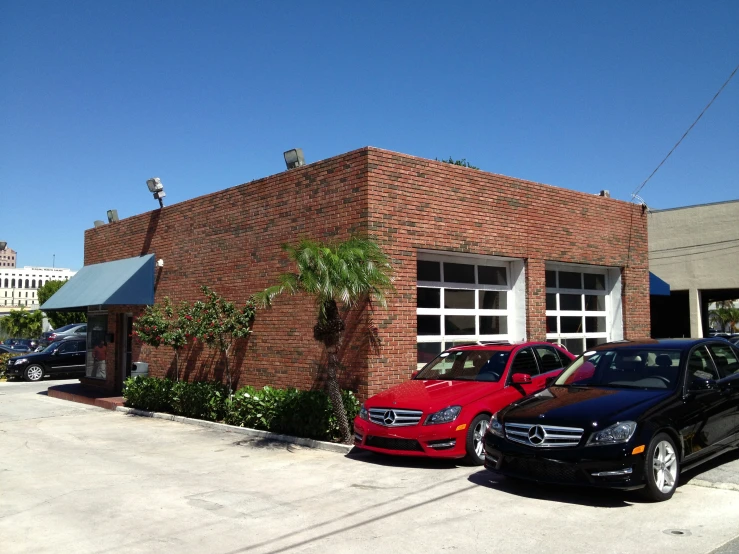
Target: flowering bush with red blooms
{"points": [[218, 323], [163, 325]]}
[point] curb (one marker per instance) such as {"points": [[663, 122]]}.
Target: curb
{"points": [[300, 441]]}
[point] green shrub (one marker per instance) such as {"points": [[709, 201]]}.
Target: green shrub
{"points": [[4, 362], [289, 411], [199, 400], [286, 411], [148, 393]]}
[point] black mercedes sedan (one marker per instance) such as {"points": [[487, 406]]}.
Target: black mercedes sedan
{"points": [[626, 415]]}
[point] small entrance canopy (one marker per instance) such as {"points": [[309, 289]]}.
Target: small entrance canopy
{"points": [[122, 282], [658, 287]]}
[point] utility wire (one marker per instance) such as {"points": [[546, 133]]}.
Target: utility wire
{"points": [[638, 189], [694, 245]]}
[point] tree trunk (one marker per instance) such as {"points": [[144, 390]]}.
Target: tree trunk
{"points": [[334, 392], [228, 371]]}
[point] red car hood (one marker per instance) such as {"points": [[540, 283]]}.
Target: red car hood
{"points": [[431, 396]]}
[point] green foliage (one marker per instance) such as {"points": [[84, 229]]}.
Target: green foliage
{"points": [[4, 362], [289, 411], [217, 322], [463, 162], [725, 316], [286, 411], [23, 324], [348, 272], [165, 325], [148, 393], [199, 400], [58, 319]]}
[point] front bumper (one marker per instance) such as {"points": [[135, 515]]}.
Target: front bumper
{"points": [[608, 466], [15, 369], [436, 441]]}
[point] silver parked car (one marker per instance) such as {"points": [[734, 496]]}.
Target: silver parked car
{"points": [[78, 330]]}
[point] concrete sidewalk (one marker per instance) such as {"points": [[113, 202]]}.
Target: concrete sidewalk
{"points": [[82, 479]]}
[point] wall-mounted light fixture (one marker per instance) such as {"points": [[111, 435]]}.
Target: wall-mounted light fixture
{"points": [[294, 158], [112, 216], [99, 223], [157, 189], [160, 262]]}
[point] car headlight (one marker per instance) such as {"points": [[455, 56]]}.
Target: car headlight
{"points": [[446, 415], [20, 361], [496, 427], [615, 434], [363, 414]]}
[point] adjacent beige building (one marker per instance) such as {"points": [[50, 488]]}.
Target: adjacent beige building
{"points": [[695, 249]]}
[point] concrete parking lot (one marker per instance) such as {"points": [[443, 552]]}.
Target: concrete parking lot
{"points": [[81, 479]]}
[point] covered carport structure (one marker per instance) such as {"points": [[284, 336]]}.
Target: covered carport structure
{"points": [[696, 250]]}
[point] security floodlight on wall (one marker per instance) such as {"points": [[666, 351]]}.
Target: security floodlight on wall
{"points": [[112, 216], [157, 189], [99, 223], [294, 158]]}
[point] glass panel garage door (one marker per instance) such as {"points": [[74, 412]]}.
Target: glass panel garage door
{"points": [[577, 307], [460, 300]]}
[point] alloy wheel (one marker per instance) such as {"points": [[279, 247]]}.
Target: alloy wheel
{"points": [[478, 435], [664, 466], [35, 373]]}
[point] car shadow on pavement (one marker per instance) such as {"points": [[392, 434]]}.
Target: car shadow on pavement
{"points": [[584, 496], [415, 462]]}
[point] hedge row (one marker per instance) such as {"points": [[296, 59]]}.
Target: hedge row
{"points": [[288, 411]]}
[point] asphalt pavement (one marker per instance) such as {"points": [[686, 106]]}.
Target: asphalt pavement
{"points": [[75, 478]]}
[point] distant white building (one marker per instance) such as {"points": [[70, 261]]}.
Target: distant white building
{"points": [[18, 286]]}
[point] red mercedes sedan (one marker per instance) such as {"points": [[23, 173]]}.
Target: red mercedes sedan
{"points": [[444, 410]]}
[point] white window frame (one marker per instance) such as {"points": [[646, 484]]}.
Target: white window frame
{"points": [[609, 293], [447, 341]]}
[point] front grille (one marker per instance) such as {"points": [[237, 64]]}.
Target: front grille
{"points": [[393, 444], [543, 436], [392, 417], [542, 470]]}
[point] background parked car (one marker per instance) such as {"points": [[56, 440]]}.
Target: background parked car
{"points": [[625, 415], [72, 330], [5, 349], [60, 357], [16, 345]]}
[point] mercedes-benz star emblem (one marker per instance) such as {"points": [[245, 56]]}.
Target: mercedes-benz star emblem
{"points": [[536, 435], [388, 417]]}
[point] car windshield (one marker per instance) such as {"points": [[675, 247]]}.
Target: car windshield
{"points": [[466, 365], [635, 368], [52, 346]]}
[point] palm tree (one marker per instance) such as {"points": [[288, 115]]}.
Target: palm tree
{"points": [[349, 272], [725, 315], [23, 324]]}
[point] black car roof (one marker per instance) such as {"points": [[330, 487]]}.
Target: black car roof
{"points": [[660, 344]]}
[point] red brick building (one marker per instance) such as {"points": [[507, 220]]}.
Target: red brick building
{"points": [[477, 256]]}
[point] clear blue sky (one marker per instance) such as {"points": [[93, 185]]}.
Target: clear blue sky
{"points": [[96, 97]]}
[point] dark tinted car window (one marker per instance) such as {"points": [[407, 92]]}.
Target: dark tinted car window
{"points": [[725, 358], [549, 358], [524, 362], [68, 346], [700, 365]]}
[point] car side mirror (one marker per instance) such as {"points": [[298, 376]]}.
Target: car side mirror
{"points": [[550, 381], [698, 384], [55, 352], [413, 375], [521, 379]]}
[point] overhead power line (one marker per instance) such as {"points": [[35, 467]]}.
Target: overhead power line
{"points": [[638, 189]]}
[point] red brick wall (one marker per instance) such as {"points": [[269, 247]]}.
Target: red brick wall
{"points": [[231, 241], [408, 204], [416, 203]]}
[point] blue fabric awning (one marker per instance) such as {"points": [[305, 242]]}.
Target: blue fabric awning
{"points": [[121, 282], [658, 287]]}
